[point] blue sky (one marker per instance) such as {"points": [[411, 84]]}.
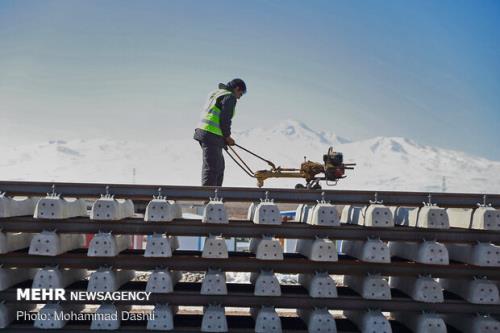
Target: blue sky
{"points": [[427, 70]]}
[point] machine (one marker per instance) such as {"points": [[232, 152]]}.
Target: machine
{"points": [[331, 170]]}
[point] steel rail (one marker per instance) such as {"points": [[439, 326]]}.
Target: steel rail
{"points": [[145, 192], [247, 229], [245, 262], [292, 297]]}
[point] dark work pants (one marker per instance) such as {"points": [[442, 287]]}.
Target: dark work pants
{"points": [[212, 170]]}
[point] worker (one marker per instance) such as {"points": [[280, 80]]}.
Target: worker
{"points": [[214, 130]]}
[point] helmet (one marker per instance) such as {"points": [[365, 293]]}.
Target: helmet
{"points": [[237, 83]]}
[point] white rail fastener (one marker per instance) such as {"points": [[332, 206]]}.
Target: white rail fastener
{"points": [[476, 291], [486, 218], [214, 283], [267, 212], [55, 207], [369, 286], [105, 244], [266, 320], [319, 249], [214, 319], [50, 243], [162, 318], [159, 209], [266, 283], [323, 213], [107, 279], [473, 323], [429, 216], [318, 320], [378, 215], [369, 321], [215, 247], [422, 288], [479, 254], [158, 245], [13, 241], [109, 208], [11, 207], [319, 285], [421, 322], [215, 212], [162, 281], [54, 277], [426, 252], [371, 250], [266, 248]]}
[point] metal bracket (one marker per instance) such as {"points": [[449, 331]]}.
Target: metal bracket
{"points": [[216, 196], [159, 196], [484, 204], [376, 201], [266, 198], [107, 195], [429, 201], [323, 201], [52, 193]]}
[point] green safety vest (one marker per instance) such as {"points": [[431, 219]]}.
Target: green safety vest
{"points": [[210, 117]]}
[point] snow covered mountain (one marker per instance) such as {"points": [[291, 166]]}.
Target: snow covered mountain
{"points": [[383, 163]]}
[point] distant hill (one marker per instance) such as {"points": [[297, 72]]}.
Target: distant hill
{"points": [[383, 163]]}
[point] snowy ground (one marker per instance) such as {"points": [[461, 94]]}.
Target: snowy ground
{"points": [[383, 163]]}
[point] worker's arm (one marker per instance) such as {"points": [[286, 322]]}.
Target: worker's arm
{"points": [[227, 109]]}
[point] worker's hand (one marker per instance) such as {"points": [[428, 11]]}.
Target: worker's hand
{"points": [[230, 141]]}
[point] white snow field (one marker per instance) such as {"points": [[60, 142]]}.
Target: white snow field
{"points": [[383, 163]]}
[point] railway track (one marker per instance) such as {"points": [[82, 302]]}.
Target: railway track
{"points": [[293, 297], [245, 262], [239, 228], [244, 194]]}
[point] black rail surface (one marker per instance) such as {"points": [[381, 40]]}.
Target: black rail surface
{"points": [[245, 262], [145, 192], [236, 228]]}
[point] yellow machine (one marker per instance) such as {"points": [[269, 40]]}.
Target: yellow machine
{"points": [[331, 170]]}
